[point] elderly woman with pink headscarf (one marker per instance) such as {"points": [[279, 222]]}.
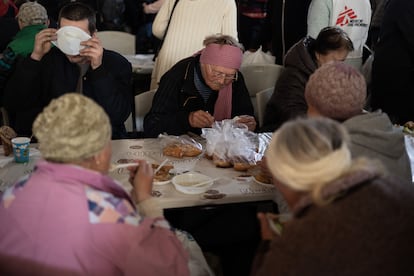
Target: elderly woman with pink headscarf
{"points": [[201, 89]]}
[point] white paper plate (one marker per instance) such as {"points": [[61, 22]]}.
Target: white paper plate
{"points": [[69, 39]]}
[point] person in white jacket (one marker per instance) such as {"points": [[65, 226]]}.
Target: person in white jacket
{"points": [[353, 16], [191, 22]]}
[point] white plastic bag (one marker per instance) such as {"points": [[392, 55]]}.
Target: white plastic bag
{"points": [[258, 57], [197, 263]]}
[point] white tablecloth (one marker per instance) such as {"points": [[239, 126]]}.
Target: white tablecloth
{"points": [[229, 187], [409, 146], [141, 64]]}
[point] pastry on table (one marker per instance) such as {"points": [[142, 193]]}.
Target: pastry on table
{"points": [[181, 150], [221, 162], [409, 127], [6, 135], [263, 178], [163, 174]]}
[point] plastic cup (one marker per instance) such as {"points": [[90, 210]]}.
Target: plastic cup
{"points": [[21, 149]]}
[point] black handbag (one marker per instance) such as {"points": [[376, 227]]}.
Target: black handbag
{"points": [[166, 30]]}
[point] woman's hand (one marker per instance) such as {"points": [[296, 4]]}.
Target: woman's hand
{"points": [[141, 178], [247, 120], [42, 44], [200, 119], [266, 231]]}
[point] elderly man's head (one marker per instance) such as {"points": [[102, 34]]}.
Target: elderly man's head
{"points": [[32, 13], [336, 90], [220, 60]]}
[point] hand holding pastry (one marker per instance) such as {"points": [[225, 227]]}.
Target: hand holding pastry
{"points": [[265, 228], [141, 178]]}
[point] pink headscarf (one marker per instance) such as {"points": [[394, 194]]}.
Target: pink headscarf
{"points": [[226, 56]]}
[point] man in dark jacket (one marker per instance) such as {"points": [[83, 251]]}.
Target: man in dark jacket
{"points": [[200, 90], [47, 73]]}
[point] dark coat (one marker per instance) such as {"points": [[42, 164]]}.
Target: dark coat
{"points": [[177, 96], [366, 230], [35, 83], [287, 24], [393, 65], [288, 99]]}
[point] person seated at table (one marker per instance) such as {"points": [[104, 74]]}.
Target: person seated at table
{"points": [[201, 89], [69, 217], [338, 91], [302, 59], [32, 18], [348, 218], [102, 75]]}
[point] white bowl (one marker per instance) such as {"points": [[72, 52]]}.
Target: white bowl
{"points": [[69, 39], [184, 183]]}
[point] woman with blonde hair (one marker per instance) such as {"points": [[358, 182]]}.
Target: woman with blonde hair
{"points": [[348, 218]]}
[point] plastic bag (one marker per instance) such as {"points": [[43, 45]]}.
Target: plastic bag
{"points": [[180, 146], [230, 144], [258, 57], [197, 264]]}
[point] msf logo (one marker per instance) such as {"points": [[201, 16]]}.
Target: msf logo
{"points": [[345, 17]]}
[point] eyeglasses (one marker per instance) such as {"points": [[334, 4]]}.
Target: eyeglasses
{"points": [[219, 75]]}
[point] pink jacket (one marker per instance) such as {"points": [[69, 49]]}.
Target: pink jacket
{"points": [[66, 220]]}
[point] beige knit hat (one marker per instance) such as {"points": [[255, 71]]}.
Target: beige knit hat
{"points": [[336, 90], [71, 128], [32, 13]]}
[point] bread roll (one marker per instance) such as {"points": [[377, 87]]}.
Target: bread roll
{"points": [[6, 135], [241, 166], [181, 150], [220, 162]]}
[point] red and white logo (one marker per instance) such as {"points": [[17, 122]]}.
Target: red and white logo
{"points": [[348, 15]]}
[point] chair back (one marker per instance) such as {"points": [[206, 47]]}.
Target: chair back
{"points": [[121, 42], [262, 98], [143, 103], [259, 77], [129, 125]]}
